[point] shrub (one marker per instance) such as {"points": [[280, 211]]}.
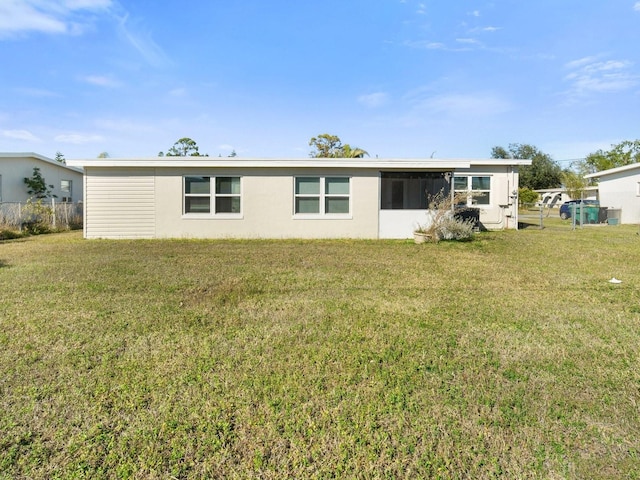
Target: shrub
{"points": [[37, 217], [451, 228], [443, 224], [10, 233]]}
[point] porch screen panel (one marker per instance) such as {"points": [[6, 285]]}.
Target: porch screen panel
{"points": [[411, 190]]}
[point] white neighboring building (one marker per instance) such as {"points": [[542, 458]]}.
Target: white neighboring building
{"points": [[15, 167], [202, 197], [619, 188]]}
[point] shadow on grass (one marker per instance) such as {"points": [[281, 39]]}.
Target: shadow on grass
{"points": [[525, 225]]}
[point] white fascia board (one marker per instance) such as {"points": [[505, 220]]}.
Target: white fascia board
{"points": [[42, 158], [520, 162], [613, 171], [357, 163]]}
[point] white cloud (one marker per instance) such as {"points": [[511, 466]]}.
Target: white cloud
{"points": [[78, 139], [20, 135], [373, 100], [88, 4], [468, 41], [124, 125], [102, 81], [464, 45], [46, 16], [143, 43], [636, 7], [36, 92], [591, 75], [178, 92], [462, 104]]}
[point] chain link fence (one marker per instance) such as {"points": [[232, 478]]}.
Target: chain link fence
{"points": [[41, 215]]}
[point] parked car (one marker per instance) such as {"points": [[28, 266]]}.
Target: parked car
{"points": [[567, 208]]}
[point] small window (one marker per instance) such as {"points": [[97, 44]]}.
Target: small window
{"points": [[198, 194], [66, 189], [228, 195], [479, 188], [322, 195]]}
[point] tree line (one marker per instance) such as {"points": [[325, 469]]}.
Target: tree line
{"points": [[543, 173]]}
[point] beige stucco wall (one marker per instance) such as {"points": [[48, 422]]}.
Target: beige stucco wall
{"points": [[13, 171], [502, 211], [146, 202], [267, 207]]}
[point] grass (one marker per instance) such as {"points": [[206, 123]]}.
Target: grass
{"points": [[507, 357]]}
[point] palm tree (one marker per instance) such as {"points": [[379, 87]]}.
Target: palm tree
{"points": [[348, 152]]}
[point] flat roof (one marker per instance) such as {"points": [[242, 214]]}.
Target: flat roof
{"points": [[358, 163], [613, 171], [42, 158]]}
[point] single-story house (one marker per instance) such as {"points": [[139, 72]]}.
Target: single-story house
{"points": [[202, 197], [555, 197], [66, 180], [619, 188]]}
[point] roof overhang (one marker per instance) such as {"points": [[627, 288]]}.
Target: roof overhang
{"points": [[613, 171], [68, 166], [351, 163]]}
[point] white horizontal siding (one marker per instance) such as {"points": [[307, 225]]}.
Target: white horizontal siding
{"points": [[120, 204]]}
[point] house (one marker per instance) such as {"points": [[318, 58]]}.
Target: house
{"points": [[619, 188], [555, 197], [202, 197], [15, 167]]}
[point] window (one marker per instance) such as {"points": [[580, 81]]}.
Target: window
{"points": [[322, 195], [411, 190], [65, 188], [479, 187], [200, 197]]}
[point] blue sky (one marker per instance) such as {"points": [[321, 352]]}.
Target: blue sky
{"points": [[399, 78]]}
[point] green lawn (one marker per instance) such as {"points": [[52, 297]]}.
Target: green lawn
{"points": [[507, 357]]}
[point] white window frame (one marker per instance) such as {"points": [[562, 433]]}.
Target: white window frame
{"points": [[322, 197], [67, 193], [469, 188], [213, 197]]}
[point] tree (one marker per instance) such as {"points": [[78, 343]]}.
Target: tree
{"points": [[103, 155], [348, 152], [330, 146], [574, 183], [621, 154], [60, 158], [526, 195], [543, 171], [36, 185], [185, 147]]}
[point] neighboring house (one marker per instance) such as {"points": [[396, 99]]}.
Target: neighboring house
{"points": [[15, 167], [201, 197], [619, 188], [555, 197]]}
